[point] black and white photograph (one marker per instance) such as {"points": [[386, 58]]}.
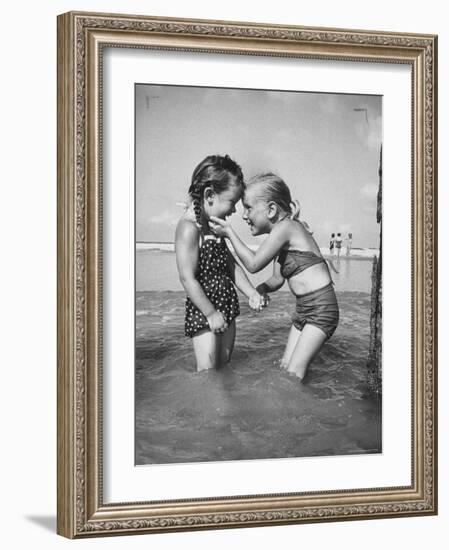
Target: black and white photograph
{"points": [[146, 409], [258, 274]]}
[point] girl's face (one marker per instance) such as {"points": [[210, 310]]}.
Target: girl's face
{"points": [[255, 212], [223, 204]]}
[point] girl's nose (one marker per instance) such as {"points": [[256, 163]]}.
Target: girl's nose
{"points": [[245, 214]]}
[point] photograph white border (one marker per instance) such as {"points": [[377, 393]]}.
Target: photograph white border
{"points": [[124, 482]]}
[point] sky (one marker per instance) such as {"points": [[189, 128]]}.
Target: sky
{"points": [[325, 146]]}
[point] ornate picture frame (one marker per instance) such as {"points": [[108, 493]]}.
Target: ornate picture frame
{"points": [[82, 509]]}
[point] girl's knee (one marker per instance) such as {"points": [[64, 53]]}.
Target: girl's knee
{"points": [[298, 370], [206, 359], [205, 346], [206, 363], [201, 367]]}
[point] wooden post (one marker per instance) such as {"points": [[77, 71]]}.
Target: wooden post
{"points": [[375, 347]]}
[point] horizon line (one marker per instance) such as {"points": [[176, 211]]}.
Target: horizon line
{"points": [[173, 242]]}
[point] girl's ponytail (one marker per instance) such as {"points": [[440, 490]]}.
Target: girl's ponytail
{"points": [[296, 209], [195, 192]]}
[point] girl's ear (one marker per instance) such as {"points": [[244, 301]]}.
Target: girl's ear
{"points": [[209, 194], [272, 210]]}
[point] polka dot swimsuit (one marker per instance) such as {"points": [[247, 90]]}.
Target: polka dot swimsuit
{"points": [[215, 278]]}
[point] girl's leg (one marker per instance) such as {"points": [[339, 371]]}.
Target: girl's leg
{"points": [[206, 348], [291, 343], [309, 343], [227, 344]]}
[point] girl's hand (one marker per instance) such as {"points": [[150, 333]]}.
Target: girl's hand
{"points": [[217, 322], [258, 301], [261, 289], [219, 227]]}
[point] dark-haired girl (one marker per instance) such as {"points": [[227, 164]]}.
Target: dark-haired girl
{"points": [[207, 269]]}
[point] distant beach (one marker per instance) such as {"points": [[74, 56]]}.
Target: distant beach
{"points": [[250, 409], [355, 252]]}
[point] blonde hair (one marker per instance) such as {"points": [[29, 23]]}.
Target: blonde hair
{"points": [[272, 188]]}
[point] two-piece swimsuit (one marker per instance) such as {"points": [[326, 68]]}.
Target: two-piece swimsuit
{"points": [[319, 307], [215, 278]]}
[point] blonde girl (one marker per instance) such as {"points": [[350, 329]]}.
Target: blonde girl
{"points": [[269, 209]]}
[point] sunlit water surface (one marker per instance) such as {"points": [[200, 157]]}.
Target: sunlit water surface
{"points": [[250, 409]]}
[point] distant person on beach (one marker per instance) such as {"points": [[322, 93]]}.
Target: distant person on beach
{"points": [[269, 209], [332, 244], [207, 269], [348, 244], [338, 241]]}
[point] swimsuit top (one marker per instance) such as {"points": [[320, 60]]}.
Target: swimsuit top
{"points": [[295, 261], [213, 261]]}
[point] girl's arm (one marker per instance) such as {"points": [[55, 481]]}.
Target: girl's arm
{"points": [[254, 261], [239, 277], [274, 282], [241, 281], [187, 258]]}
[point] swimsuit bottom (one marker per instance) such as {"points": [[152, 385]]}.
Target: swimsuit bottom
{"points": [[318, 308], [222, 294]]}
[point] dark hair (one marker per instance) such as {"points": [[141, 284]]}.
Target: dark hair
{"points": [[333, 235], [214, 171], [274, 189]]}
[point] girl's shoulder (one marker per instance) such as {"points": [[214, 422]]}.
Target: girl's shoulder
{"points": [[281, 230], [295, 228], [300, 237], [187, 228], [286, 233]]}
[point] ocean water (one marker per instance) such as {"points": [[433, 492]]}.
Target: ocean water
{"points": [[156, 270], [250, 409]]}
